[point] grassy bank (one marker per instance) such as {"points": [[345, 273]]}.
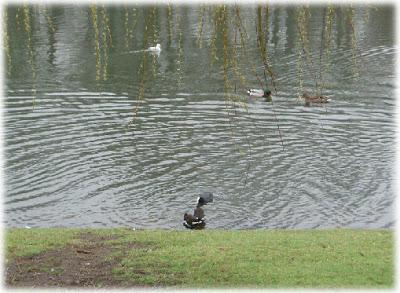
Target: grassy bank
{"points": [[210, 258]]}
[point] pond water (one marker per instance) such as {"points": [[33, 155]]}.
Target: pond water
{"points": [[99, 132]]}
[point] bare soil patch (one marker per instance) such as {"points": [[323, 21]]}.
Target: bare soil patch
{"points": [[88, 264]]}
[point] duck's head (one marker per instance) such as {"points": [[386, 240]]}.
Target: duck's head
{"points": [[201, 202], [267, 92], [307, 99], [267, 95]]}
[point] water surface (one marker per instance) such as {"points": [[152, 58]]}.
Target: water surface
{"points": [[101, 135]]}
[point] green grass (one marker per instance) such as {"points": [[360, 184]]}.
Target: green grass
{"points": [[29, 242], [339, 258]]}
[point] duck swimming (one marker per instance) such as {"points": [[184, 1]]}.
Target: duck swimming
{"points": [[197, 220], [314, 99], [261, 93]]}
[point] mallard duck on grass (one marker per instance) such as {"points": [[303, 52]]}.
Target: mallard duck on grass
{"points": [[261, 93], [308, 99]]}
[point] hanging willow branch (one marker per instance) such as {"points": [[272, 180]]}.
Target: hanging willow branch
{"points": [[7, 41], [262, 45], [302, 28], [350, 20]]}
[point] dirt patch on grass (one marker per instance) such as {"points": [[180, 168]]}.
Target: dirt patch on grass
{"points": [[87, 264]]}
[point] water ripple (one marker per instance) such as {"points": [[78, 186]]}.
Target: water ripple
{"points": [[75, 160]]}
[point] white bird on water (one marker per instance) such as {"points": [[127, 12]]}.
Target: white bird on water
{"points": [[156, 49]]}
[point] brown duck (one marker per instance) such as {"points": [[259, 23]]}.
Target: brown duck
{"points": [[314, 99], [197, 220]]}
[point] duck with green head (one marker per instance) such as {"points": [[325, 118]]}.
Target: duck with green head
{"points": [[261, 93]]}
